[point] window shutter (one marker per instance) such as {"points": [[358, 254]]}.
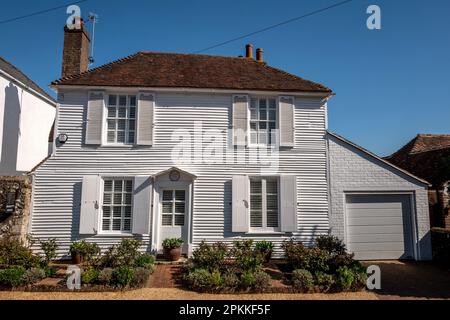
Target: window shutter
{"points": [[89, 213], [240, 194], [142, 202], [94, 121], [145, 118], [286, 121], [240, 120], [288, 192]]}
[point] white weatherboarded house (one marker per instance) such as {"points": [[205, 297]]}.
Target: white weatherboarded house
{"points": [[198, 147]]}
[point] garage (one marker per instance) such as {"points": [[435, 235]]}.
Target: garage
{"points": [[379, 226]]}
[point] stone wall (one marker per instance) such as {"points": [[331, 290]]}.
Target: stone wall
{"points": [[15, 199]]}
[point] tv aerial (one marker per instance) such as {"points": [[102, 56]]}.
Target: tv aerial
{"points": [[93, 18]]}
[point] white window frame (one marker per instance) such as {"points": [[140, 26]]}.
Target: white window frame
{"points": [[127, 119], [258, 121], [264, 228], [173, 213], [102, 193]]}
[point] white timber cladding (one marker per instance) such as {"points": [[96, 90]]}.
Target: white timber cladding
{"points": [[146, 106], [57, 197], [94, 118]]}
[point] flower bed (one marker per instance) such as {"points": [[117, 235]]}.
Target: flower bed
{"points": [[121, 267]]}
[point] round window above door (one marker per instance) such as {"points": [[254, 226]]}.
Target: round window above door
{"points": [[174, 175]]}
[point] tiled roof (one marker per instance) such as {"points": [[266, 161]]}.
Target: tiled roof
{"points": [[174, 70], [427, 156], [20, 76]]}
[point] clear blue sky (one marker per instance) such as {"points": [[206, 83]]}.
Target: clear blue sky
{"points": [[390, 84]]}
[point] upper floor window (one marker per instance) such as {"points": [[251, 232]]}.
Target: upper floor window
{"points": [[263, 120], [121, 119]]}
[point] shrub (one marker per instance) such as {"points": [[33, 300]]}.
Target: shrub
{"points": [[210, 257], [331, 244], [89, 251], [105, 276], [140, 277], [199, 280], [247, 280], [345, 278], [122, 276], [89, 275], [324, 281], [340, 260], [300, 257], [49, 272], [302, 280], [122, 255], [230, 281], [172, 243], [144, 261], [360, 273], [32, 276], [265, 249], [49, 247], [247, 258], [262, 281], [12, 277], [13, 253]]}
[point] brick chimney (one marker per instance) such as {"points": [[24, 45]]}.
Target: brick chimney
{"points": [[259, 55], [76, 51], [249, 51]]}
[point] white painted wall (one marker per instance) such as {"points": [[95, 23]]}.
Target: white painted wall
{"points": [[25, 124]]}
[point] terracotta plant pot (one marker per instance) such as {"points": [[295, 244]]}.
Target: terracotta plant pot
{"points": [[172, 254], [268, 256], [77, 258]]}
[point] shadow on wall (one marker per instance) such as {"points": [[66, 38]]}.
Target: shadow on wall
{"points": [[11, 127]]}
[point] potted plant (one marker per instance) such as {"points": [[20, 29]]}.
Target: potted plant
{"points": [[77, 251], [172, 249], [265, 249]]}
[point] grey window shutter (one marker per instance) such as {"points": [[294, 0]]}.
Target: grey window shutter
{"points": [[145, 118], [286, 122], [94, 123], [288, 213], [240, 120], [89, 212], [240, 194], [142, 203]]}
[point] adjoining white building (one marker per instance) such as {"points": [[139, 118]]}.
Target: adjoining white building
{"points": [[118, 170], [27, 114]]}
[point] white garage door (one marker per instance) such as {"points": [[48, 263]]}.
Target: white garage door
{"points": [[379, 226]]}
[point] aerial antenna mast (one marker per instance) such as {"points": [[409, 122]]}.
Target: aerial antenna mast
{"points": [[93, 18]]}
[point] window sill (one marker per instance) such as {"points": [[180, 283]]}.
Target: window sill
{"points": [[114, 235], [264, 233]]}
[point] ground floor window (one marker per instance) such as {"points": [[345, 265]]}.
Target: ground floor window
{"points": [[264, 199], [117, 205], [173, 208]]}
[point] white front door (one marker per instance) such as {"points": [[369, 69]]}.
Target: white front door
{"points": [[173, 214]]}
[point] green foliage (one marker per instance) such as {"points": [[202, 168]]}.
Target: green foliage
{"points": [[13, 253], [33, 276], [331, 244], [210, 257], [262, 281], [89, 275], [230, 281], [140, 277], [247, 279], [12, 277], [105, 276], [199, 280], [122, 255], [265, 249], [122, 276], [49, 248], [246, 257], [144, 261], [345, 278], [302, 280], [49, 272], [300, 257], [172, 243], [324, 281], [89, 251]]}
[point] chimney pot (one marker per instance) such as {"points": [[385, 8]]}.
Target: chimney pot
{"points": [[249, 51], [259, 55]]}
